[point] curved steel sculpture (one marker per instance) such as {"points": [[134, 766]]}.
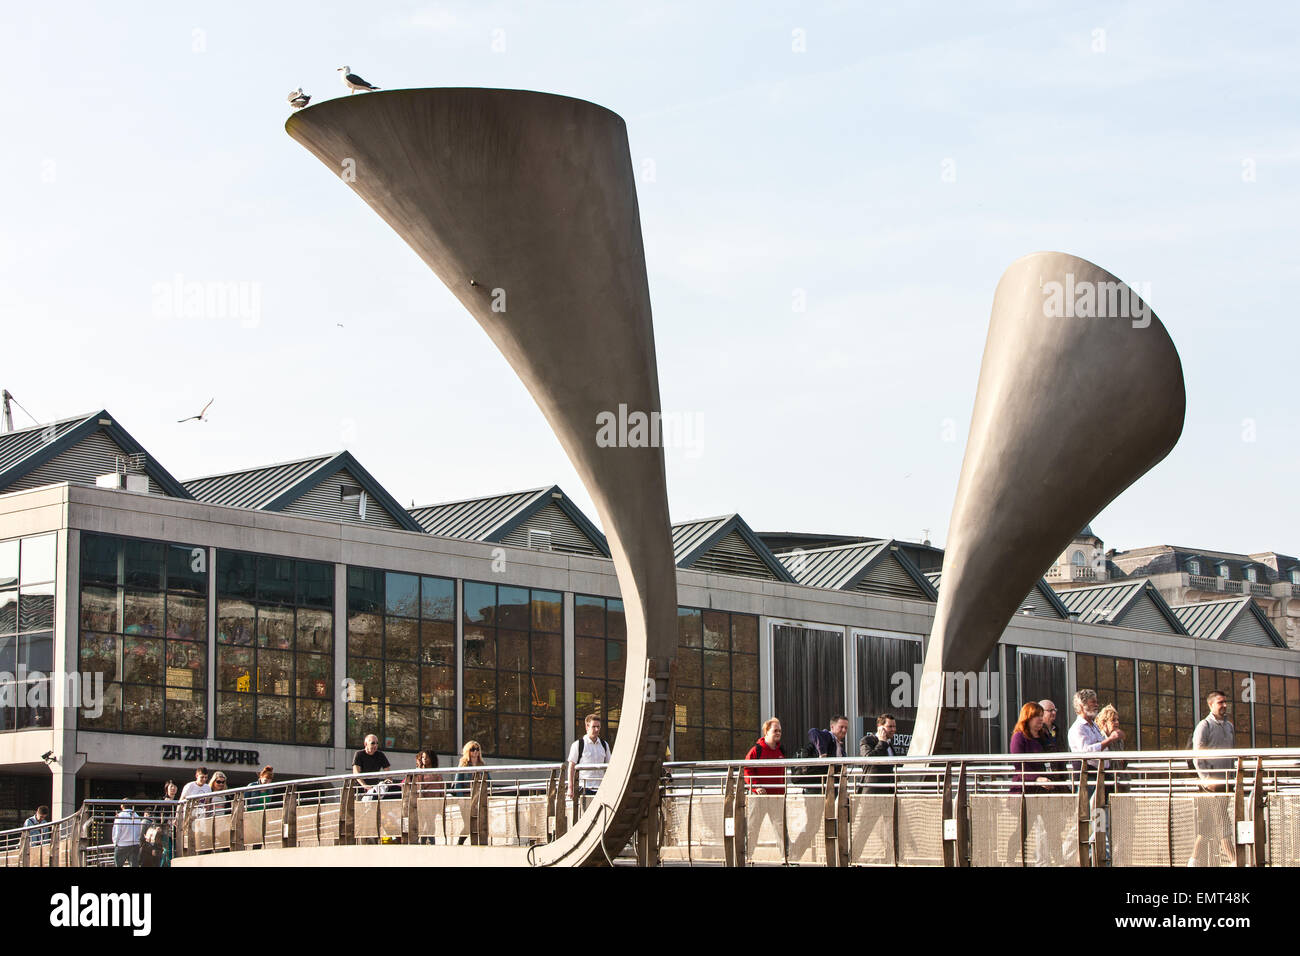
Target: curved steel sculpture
{"points": [[1080, 394], [524, 205]]}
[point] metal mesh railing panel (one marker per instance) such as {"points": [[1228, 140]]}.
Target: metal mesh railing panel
{"points": [[1204, 832], [1284, 829], [871, 829], [1139, 830], [805, 829], [920, 830], [997, 837], [765, 828], [1051, 830]]}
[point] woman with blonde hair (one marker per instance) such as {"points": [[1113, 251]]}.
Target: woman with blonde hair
{"points": [[471, 755]]}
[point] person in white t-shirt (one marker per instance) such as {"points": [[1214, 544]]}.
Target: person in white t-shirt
{"points": [[198, 786], [589, 749]]}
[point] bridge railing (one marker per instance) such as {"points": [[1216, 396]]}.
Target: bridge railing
{"points": [[1225, 808]]}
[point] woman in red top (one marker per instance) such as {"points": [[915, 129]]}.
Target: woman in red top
{"points": [[767, 747]]}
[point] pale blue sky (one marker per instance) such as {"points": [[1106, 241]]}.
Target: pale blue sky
{"points": [[146, 141]]}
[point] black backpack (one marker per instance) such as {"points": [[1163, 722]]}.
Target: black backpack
{"points": [[807, 752], [582, 748]]}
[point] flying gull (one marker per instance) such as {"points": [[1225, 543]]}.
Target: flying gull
{"points": [[201, 416], [354, 82], [298, 99]]}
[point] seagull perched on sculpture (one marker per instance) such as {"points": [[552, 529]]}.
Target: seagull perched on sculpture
{"points": [[298, 99], [354, 82]]}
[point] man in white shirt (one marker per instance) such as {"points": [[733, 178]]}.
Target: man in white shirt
{"points": [[198, 786], [126, 837], [588, 750], [1085, 736]]}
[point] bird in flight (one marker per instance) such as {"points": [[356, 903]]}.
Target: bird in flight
{"points": [[354, 82], [298, 99], [201, 416]]}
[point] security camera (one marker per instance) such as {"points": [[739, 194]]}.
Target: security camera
{"points": [[49, 757]]}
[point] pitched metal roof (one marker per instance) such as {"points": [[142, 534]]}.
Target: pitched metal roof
{"points": [[27, 449], [274, 487], [1044, 589], [693, 540], [1215, 620], [837, 567], [1110, 603], [492, 518]]}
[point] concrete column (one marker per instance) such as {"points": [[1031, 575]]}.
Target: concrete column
{"points": [[570, 668], [210, 724], [339, 754], [63, 706], [460, 666]]}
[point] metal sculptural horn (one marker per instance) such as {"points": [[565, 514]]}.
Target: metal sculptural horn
{"points": [[524, 204], [1071, 409]]}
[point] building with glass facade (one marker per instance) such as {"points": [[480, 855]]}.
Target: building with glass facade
{"points": [[280, 614]]}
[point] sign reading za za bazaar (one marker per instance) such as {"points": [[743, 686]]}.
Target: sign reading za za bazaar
{"points": [[208, 754]]}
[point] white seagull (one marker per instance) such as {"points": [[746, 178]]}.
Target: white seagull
{"points": [[201, 416], [354, 82], [298, 99]]}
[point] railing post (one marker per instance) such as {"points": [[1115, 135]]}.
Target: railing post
{"points": [[961, 813], [237, 823], [1238, 812], [556, 820], [347, 814], [1098, 821], [1259, 832], [650, 830], [1085, 819], [949, 824], [411, 807], [831, 819], [289, 817], [24, 847], [733, 818], [478, 812]]}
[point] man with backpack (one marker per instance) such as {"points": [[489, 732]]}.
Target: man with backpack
{"points": [[589, 749]]}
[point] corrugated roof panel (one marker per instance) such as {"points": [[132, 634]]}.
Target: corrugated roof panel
{"points": [[831, 568], [92, 456], [474, 519], [18, 444], [689, 535], [254, 487]]}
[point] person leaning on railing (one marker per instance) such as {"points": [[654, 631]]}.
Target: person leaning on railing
{"points": [[38, 823], [258, 799], [1108, 721], [1028, 739], [764, 780]]}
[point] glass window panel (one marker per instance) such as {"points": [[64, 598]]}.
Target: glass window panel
{"points": [[512, 607], [588, 616], [142, 661], [482, 728], [689, 667], [548, 653], [142, 709], [1165, 709], [438, 642], [548, 739], [589, 697], [367, 678], [365, 635], [237, 576], [235, 669], [615, 665], [186, 717], [589, 657], [1085, 669], [1292, 692], [1146, 677], [144, 565], [185, 572], [1277, 722], [362, 719], [717, 670], [744, 672], [716, 631], [34, 705], [100, 654], [514, 693], [438, 599], [717, 744], [402, 683], [365, 591], [547, 692], [1237, 689], [275, 673], [688, 745], [402, 728], [480, 602], [401, 594], [1147, 704], [1124, 673], [1186, 712], [1124, 703], [36, 653], [110, 711], [480, 646], [36, 562], [275, 628], [1276, 689], [401, 638], [1168, 738], [1183, 680], [514, 740], [275, 583], [744, 633], [548, 611], [315, 675], [9, 654], [613, 703], [36, 607], [744, 711], [1292, 721], [717, 708], [689, 707], [315, 586], [315, 630], [615, 620], [438, 730], [99, 611], [9, 561], [275, 719], [512, 650], [1165, 678], [186, 664], [142, 613], [438, 686], [480, 689], [236, 621], [690, 627], [9, 615], [187, 617], [314, 722]]}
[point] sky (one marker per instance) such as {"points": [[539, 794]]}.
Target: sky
{"points": [[829, 192]]}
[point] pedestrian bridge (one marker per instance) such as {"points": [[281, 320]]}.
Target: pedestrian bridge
{"points": [[1238, 808]]}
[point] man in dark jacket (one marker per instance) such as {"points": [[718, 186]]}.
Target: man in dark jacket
{"points": [[881, 744], [833, 741]]}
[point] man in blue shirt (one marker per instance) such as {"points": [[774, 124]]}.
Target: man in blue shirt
{"points": [[39, 820]]}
